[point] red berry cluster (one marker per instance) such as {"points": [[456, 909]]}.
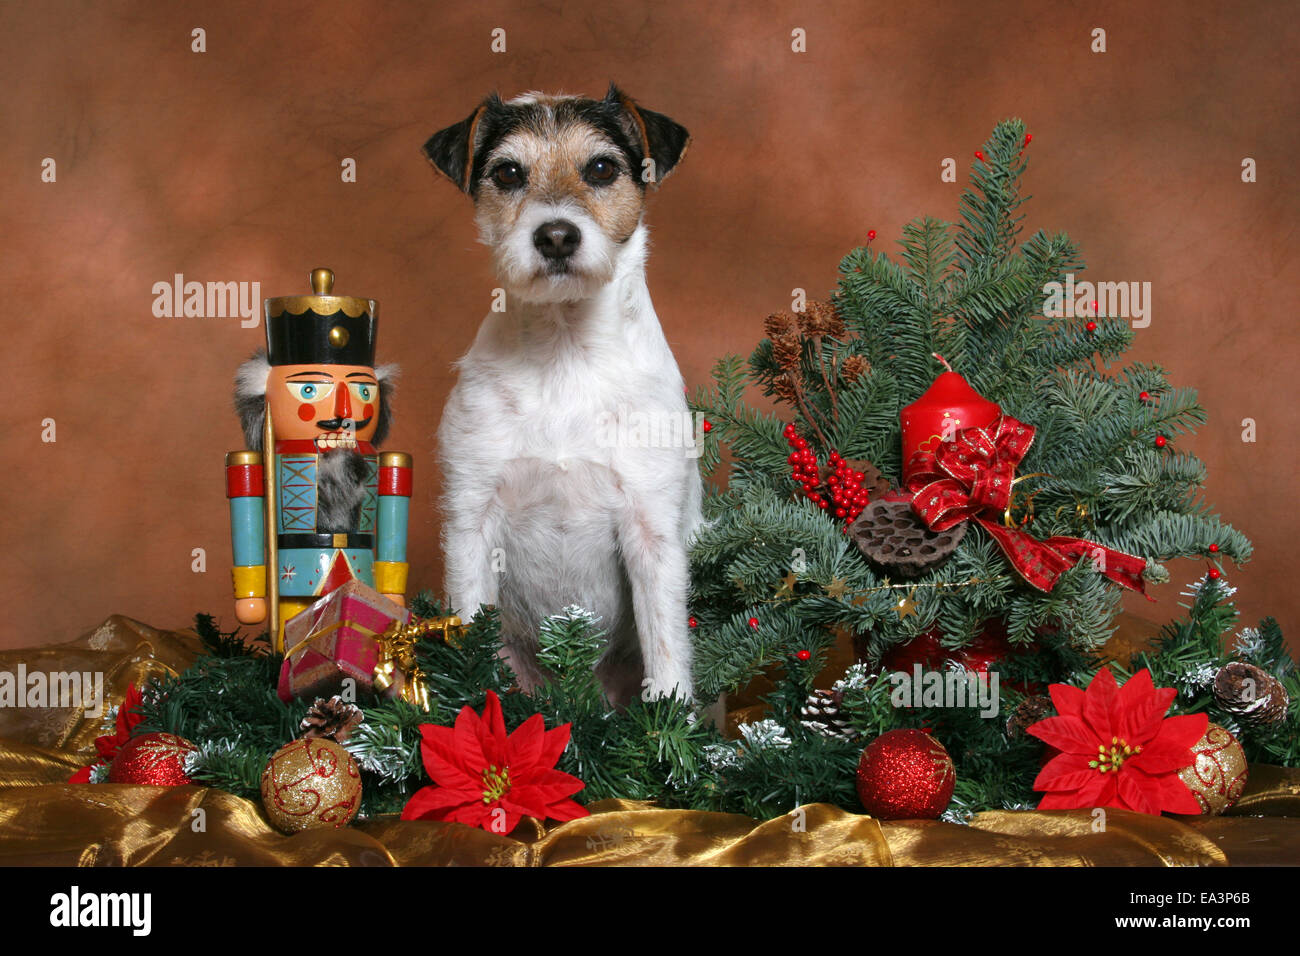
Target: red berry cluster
{"points": [[847, 496]]}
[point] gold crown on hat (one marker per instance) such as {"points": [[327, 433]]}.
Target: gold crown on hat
{"points": [[322, 301]]}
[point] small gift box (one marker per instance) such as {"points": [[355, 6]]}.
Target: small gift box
{"points": [[335, 639]]}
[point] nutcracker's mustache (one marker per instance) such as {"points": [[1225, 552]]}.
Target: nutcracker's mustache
{"points": [[334, 424]]}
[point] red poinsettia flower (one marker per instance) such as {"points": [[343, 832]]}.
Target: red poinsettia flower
{"points": [[484, 778], [1117, 747], [109, 744]]}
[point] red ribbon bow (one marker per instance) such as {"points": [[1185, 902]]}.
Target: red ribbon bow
{"points": [[969, 479]]}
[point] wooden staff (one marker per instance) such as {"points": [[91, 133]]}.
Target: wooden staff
{"points": [[272, 530]]}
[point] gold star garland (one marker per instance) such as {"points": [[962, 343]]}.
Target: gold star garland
{"points": [[839, 590], [906, 606]]}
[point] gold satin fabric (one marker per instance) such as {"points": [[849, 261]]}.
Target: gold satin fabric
{"points": [[44, 821]]}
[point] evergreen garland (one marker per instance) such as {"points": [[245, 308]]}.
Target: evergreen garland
{"points": [[965, 291]]}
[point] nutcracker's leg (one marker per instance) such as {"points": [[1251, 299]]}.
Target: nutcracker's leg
{"points": [[289, 608]]}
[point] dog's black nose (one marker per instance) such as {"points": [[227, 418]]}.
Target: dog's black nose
{"points": [[557, 239]]}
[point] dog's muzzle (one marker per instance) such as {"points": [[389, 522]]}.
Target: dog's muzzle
{"points": [[557, 240]]}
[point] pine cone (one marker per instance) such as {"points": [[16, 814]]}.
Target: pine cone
{"points": [[1251, 693], [821, 714], [787, 350], [786, 388], [820, 318], [1031, 711], [778, 324], [853, 368], [332, 719]]}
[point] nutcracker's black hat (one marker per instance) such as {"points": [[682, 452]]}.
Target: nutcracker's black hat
{"points": [[321, 328]]}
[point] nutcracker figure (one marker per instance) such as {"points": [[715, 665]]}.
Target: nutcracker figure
{"points": [[313, 408]]}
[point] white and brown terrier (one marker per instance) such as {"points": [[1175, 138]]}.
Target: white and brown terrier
{"points": [[542, 508]]}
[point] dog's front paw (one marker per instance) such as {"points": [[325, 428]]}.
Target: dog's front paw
{"points": [[667, 686]]}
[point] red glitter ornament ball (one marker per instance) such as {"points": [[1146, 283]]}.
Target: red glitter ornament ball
{"points": [[1091, 326], [905, 775], [154, 759], [804, 655], [1161, 441], [989, 647]]}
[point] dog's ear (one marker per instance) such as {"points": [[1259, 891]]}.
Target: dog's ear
{"points": [[452, 150], [661, 139]]}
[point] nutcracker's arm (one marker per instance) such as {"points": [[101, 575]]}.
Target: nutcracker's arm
{"points": [[394, 513], [246, 490]]}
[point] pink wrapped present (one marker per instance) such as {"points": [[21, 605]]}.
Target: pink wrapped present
{"points": [[336, 639]]}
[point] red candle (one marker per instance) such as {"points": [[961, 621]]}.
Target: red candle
{"points": [[947, 406]]}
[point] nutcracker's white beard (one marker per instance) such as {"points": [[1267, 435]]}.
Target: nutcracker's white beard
{"points": [[250, 398], [340, 490]]}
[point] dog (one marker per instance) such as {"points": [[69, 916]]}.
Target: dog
{"points": [[542, 509]]}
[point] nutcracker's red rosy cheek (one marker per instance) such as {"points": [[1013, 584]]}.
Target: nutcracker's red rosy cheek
{"points": [[368, 411], [306, 412]]}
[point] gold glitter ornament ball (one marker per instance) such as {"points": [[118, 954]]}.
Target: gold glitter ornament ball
{"points": [[1218, 774], [311, 783]]}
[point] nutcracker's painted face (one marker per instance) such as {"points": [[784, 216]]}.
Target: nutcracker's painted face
{"points": [[315, 402], [334, 405]]}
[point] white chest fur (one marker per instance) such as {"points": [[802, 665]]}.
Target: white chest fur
{"points": [[548, 502]]}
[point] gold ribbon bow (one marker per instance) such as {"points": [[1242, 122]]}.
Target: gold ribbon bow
{"points": [[398, 666]]}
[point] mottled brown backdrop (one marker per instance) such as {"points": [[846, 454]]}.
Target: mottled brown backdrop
{"points": [[225, 165]]}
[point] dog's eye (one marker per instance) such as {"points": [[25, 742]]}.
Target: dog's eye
{"points": [[599, 172], [508, 176]]}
